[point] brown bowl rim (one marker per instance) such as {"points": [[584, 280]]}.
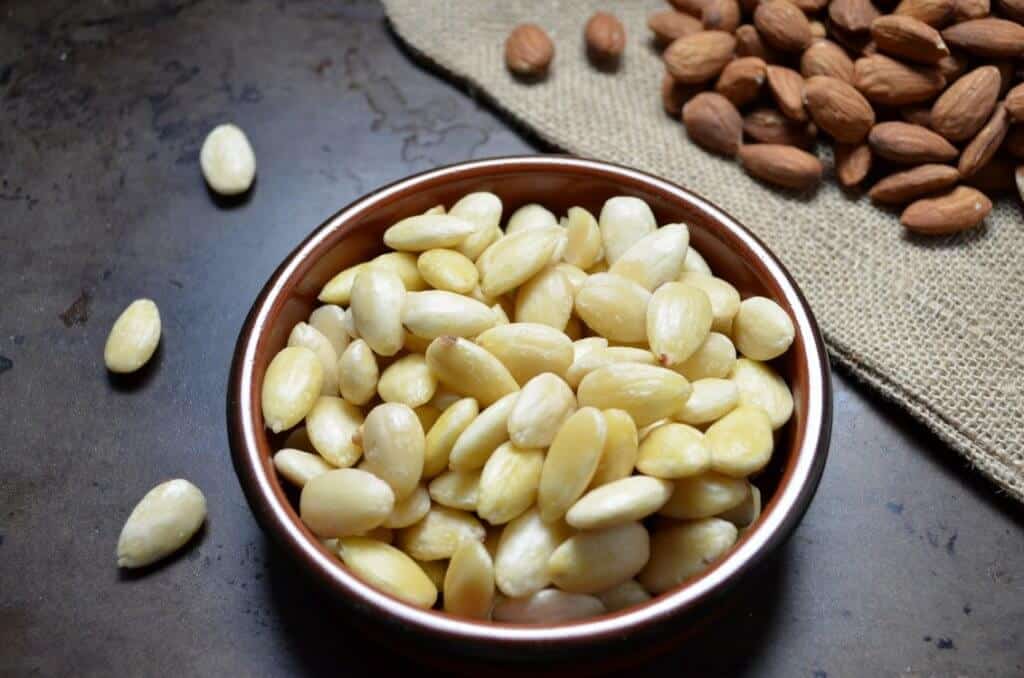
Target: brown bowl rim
{"points": [[273, 511]]}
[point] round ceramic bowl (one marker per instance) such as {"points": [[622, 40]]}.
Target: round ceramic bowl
{"points": [[354, 235]]}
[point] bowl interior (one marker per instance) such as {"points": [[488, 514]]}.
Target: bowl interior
{"points": [[354, 235]]}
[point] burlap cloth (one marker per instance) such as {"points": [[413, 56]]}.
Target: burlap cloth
{"points": [[933, 324]]}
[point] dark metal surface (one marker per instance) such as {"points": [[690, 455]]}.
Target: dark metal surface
{"points": [[906, 563]]}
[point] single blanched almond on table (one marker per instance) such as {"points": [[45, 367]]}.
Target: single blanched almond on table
{"points": [[967, 104], [956, 211], [133, 338], [889, 82], [291, 386], [741, 80], [544, 403], [713, 122], [826, 58], [785, 166], [783, 25], [655, 259], [469, 369], [987, 37], [904, 143], [699, 57], [646, 392], [514, 259], [838, 109], [623, 221], [908, 38], [161, 523], [594, 561], [387, 568], [345, 502], [227, 160]]}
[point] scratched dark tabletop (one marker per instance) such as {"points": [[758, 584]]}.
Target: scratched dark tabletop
{"points": [[906, 563]]}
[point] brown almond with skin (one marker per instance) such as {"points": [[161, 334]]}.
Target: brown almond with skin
{"points": [[838, 109], [1012, 9], [956, 211], [893, 83], [668, 25], [995, 176], [529, 51], [908, 38], [853, 162], [1015, 103], [984, 146], [721, 15], [936, 13], [787, 87], [713, 123], [909, 144], [853, 16], [740, 81], [769, 126], [965, 10], [749, 43], [692, 7], [902, 187], [963, 108], [605, 38], [783, 25], [785, 166], [699, 57], [989, 37], [675, 94], [953, 66], [918, 115], [826, 58], [1014, 143]]}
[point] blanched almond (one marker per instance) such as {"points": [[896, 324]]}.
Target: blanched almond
{"points": [[740, 442], [678, 321], [623, 221], [591, 562], [509, 482], [615, 307], [469, 581], [672, 451], [682, 550], [437, 313], [402, 264], [546, 298], [626, 594], [394, 446], [714, 358], [746, 512], [725, 300], [655, 259], [427, 231], [298, 467], [439, 533], [514, 259], [408, 380], [307, 336], [711, 400], [330, 321], [291, 386], [162, 522], [469, 369], [133, 338], [571, 462], [521, 558], [345, 502], [456, 489], [544, 403], [528, 349], [331, 423], [445, 431], [484, 434], [377, 299], [618, 502], [705, 495], [549, 606], [759, 385], [387, 568], [358, 373], [410, 510], [584, 247], [762, 329], [646, 392], [483, 210], [530, 216], [338, 289], [448, 270]]}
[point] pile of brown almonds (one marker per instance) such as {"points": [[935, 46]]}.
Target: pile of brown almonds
{"points": [[926, 97]]}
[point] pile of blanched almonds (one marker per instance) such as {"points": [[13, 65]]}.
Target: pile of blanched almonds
{"points": [[542, 423]]}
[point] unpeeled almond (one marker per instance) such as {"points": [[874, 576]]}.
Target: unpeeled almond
{"points": [[958, 210]]}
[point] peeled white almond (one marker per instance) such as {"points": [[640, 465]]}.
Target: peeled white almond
{"points": [[161, 523]]}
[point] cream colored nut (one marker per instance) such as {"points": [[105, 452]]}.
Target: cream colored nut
{"points": [[291, 386], [762, 330], [620, 448], [298, 439], [437, 313], [695, 263], [404, 265], [456, 489], [443, 434], [549, 606], [725, 300], [427, 231], [514, 259], [528, 349], [161, 523], [714, 359], [358, 373], [571, 462], [298, 467], [584, 247], [331, 424], [408, 380], [394, 446], [655, 259], [626, 594], [740, 442], [705, 495], [483, 210], [521, 558], [710, 400], [227, 160], [674, 451], [746, 512], [443, 398], [410, 510], [436, 570], [614, 307], [377, 299], [544, 404], [439, 534], [509, 482], [528, 217], [598, 357], [546, 298], [448, 270], [133, 338], [678, 322], [759, 385], [307, 336], [469, 582], [484, 434], [501, 318], [469, 369], [623, 221], [345, 502], [338, 289], [619, 502], [575, 276], [681, 551], [330, 321], [646, 392], [591, 562], [388, 569]]}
